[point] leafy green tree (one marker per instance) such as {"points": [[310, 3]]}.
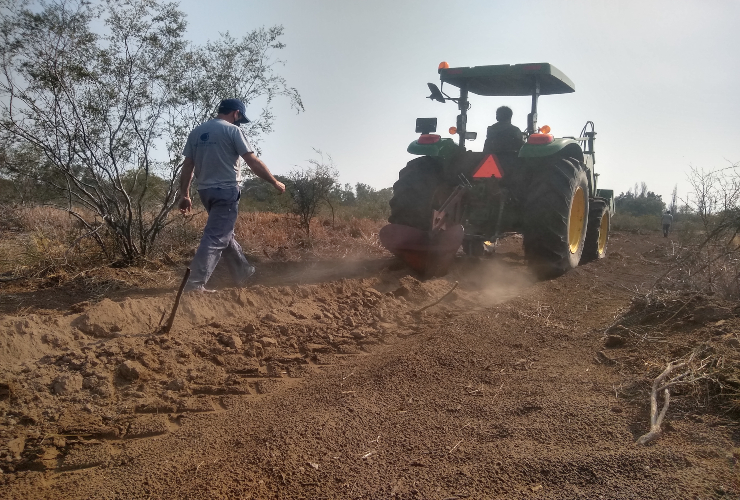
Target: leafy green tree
{"points": [[309, 188], [343, 195], [373, 203], [26, 176], [258, 196], [109, 109], [639, 201]]}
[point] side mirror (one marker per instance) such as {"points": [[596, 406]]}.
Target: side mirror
{"points": [[436, 93], [471, 136]]}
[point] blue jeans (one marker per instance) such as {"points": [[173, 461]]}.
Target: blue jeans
{"points": [[222, 206]]}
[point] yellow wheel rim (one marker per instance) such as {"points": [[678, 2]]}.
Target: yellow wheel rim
{"points": [[603, 232], [576, 220]]}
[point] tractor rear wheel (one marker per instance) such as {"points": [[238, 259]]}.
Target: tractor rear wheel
{"points": [[556, 214], [597, 234], [414, 193]]}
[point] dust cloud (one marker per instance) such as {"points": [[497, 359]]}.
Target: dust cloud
{"points": [[495, 278]]}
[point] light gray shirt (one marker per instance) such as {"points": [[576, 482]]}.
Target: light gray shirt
{"points": [[667, 219], [216, 147]]}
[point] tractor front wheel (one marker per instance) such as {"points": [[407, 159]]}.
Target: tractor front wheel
{"points": [[597, 234], [556, 214]]}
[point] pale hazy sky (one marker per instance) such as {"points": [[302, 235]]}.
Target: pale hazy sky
{"points": [[658, 78]]}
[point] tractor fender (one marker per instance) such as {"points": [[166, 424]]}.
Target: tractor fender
{"points": [[559, 147], [442, 149]]}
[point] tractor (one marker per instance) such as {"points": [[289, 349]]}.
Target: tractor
{"points": [[546, 191]]}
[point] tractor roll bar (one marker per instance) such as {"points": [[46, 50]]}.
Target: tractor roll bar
{"points": [[532, 117], [462, 104]]}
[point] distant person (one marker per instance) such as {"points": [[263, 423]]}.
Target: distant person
{"points": [[212, 152], [502, 136], [667, 221]]}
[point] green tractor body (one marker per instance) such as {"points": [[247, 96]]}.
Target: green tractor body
{"points": [[547, 190]]}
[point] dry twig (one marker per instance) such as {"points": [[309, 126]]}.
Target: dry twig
{"points": [[659, 385], [455, 447]]}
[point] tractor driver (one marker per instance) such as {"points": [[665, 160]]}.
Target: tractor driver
{"points": [[502, 136]]}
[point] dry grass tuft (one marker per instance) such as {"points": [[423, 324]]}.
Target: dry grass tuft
{"points": [[43, 241]]}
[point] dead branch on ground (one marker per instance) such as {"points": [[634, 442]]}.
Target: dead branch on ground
{"points": [[691, 375]]}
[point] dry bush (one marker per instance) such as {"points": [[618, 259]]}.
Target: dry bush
{"points": [[43, 242], [12, 219], [689, 322], [180, 237], [282, 237], [28, 218], [46, 241], [667, 326], [709, 258], [635, 224], [685, 225], [711, 267]]}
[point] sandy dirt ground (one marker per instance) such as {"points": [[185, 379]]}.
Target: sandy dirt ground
{"points": [[324, 380]]}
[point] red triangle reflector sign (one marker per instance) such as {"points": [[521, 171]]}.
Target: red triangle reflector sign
{"points": [[488, 168]]}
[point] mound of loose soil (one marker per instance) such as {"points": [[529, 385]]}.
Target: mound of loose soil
{"points": [[311, 386]]}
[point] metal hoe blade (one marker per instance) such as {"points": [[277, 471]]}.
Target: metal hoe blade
{"points": [[428, 253]]}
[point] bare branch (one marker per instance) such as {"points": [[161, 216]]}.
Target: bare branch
{"points": [[692, 375]]}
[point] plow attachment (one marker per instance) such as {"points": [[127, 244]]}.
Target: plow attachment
{"points": [[429, 253]]}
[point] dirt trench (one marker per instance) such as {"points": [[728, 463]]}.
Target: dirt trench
{"points": [[338, 388]]}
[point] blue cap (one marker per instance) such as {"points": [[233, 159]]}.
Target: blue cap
{"points": [[234, 105]]}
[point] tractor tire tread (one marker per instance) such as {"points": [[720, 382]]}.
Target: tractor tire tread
{"points": [[413, 192], [597, 210], [548, 210]]}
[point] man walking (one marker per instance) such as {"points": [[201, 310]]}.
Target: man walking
{"points": [[212, 153], [667, 220]]}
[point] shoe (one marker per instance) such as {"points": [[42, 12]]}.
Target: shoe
{"points": [[245, 281]]}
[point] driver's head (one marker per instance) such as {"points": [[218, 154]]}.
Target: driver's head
{"points": [[504, 114]]}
